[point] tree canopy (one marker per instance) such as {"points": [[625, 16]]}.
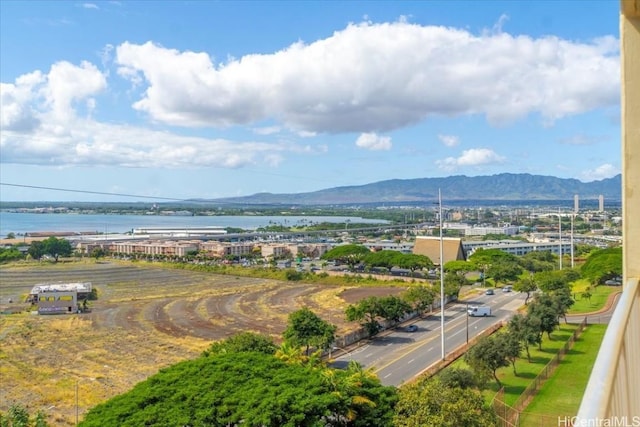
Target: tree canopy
{"points": [[431, 403], [482, 256], [347, 254], [369, 310], [420, 297], [488, 355], [305, 328], [603, 265], [249, 388], [51, 246]]}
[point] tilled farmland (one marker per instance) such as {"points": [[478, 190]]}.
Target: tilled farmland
{"points": [[145, 318]]}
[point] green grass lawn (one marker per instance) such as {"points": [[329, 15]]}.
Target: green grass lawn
{"points": [[561, 394], [513, 384], [599, 296]]}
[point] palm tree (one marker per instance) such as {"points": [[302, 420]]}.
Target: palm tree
{"points": [[291, 354], [348, 386]]}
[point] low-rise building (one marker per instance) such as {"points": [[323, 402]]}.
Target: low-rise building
{"points": [[59, 298]]}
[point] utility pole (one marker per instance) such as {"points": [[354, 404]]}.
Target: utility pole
{"points": [[441, 278]]}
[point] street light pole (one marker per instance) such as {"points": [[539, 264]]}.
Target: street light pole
{"points": [[560, 235], [572, 262], [441, 279], [467, 316]]}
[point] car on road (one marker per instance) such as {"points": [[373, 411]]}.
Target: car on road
{"points": [[411, 328], [614, 282], [489, 292], [479, 311], [507, 288]]}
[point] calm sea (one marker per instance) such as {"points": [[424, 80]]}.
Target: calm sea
{"points": [[20, 223]]}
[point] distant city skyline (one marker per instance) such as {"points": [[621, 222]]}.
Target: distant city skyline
{"points": [[222, 99]]}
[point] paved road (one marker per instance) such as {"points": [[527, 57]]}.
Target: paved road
{"points": [[399, 356]]}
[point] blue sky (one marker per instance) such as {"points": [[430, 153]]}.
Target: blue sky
{"points": [[196, 99]]}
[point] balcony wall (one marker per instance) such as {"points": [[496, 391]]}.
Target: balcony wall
{"points": [[611, 397], [614, 385]]}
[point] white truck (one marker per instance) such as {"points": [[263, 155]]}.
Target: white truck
{"points": [[479, 311]]}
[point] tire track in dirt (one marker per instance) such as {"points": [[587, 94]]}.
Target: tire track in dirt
{"points": [[156, 315], [251, 310], [184, 315]]}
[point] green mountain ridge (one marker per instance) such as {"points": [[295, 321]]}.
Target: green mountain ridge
{"points": [[505, 186]]}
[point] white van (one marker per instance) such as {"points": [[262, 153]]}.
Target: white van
{"points": [[479, 311]]}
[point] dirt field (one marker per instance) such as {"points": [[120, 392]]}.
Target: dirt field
{"points": [[146, 318]]}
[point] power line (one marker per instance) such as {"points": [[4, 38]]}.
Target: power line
{"points": [[103, 193]]}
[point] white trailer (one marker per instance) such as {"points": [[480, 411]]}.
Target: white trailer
{"points": [[479, 311]]}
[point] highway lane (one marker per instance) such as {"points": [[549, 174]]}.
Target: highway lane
{"points": [[399, 356]]}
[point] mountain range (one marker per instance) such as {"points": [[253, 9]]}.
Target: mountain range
{"points": [[504, 186]]}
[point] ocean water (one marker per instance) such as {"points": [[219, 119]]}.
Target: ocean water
{"points": [[21, 223]]}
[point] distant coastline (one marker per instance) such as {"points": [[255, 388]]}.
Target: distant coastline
{"points": [[21, 223]]}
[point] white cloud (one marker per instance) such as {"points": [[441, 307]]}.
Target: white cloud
{"points": [[449, 140], [46, 120], [377, 77], [374, 142], [56, 95], [17, 113], [90, 6], [84, 142], [68, 83], [471, 157], [267, 130], [606, 170]]}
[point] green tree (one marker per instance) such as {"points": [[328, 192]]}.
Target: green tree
{"points": [[603, 265], [364, 401], [453, 283], [488, 355], [11, 235], [482, 256], [247, 388], [562, 301], [387, 259], [453, 377], [551, 280], [544, 309], [526, 284], [511, 346], [414, 262], [305, 328], [291, 354], [459, 267], [36, 249], [18, 416], [244, 341], [347, 254], [57, 247], [97, 253], [366, 312], [525, 329], [420, 297], [429, 403], [393, 308], [535, 261], [10, 254], [504, 271]]}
